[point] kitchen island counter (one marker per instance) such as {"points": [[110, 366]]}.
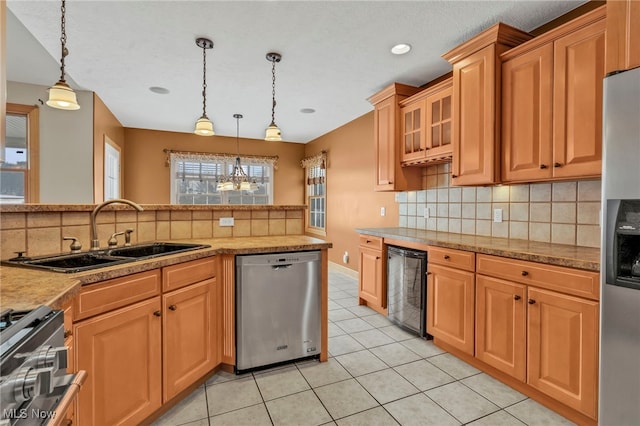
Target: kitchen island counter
{"points": [[24, 288]]}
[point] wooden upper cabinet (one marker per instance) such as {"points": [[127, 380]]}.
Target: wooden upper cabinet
{"points": [[623, 35], [426, 120], [552, 103], [577, 101], [390, 176], [476, 104], [527, 102]]}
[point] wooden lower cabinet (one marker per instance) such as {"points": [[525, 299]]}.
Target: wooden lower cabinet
{"points": [[450, 306], [139, 354], [190, 331], [562, 335], [501, 325], [372, 290], [121, 352]]}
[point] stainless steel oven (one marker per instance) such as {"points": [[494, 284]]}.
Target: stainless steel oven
{"points": [[35, 388]]}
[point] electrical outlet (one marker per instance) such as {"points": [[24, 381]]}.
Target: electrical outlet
{"points": [[383, 211], [226, 221], [497, 215], [426, 214], [345, 257]]}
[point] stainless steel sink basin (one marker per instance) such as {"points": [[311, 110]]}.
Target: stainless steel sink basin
{"points": [[78, 262], [145, 251]]}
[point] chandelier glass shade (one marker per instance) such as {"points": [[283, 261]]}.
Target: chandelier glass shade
{"points": [[61, 96]]}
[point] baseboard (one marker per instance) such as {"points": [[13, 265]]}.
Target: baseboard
{"points": [[343, 269]]}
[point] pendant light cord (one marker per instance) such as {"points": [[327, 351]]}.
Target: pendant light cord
{"points": [[63, 41], [204, 81], [273, 91]]}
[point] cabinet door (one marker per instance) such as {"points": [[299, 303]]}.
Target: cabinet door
{"points": [[500, 325], [577, 103], [371, 289], [474, 112], [450, 306], [121, 353], [413, 134], [385, 137], [439, 121], [623, 35], [527, 102], [563, 348], [190, 346]]}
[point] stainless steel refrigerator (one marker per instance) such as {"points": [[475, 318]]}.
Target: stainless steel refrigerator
{"points": [[620, 263]]}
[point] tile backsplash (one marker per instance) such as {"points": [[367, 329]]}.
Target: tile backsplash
{"points": [[558, 212]]}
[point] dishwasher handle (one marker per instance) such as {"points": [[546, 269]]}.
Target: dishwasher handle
{"points": [[284, 266]]}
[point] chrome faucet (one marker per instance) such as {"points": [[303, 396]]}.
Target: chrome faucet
{"points": [[95, 244]]}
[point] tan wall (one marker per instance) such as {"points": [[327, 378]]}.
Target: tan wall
{"points": [[351, 201], [104, 124], [146, 177]]}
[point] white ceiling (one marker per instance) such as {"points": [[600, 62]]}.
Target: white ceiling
{"points": [[335, 54]]}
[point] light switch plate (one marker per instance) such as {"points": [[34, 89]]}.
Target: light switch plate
{"points": [[497, 215], [383, 211], [226, 221], [425, 213]]}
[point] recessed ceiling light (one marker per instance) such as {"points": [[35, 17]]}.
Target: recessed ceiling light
{"points": [[400, 49], [159, 90], [307, 110]]}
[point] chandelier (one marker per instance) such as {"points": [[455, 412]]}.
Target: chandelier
{"points": [[238, 179]]}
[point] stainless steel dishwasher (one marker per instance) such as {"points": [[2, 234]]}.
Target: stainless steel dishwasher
{"points": [[277, 308]]}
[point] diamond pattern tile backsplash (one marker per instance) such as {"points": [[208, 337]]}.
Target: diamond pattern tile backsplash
{"points": [[558, 212]]}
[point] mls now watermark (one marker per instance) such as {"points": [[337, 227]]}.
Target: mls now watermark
{"points": [[26, 413]]}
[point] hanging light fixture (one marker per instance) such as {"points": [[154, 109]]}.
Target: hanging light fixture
{"points": [[238, 179], [62, 96], [273, 131], [204, 126]]}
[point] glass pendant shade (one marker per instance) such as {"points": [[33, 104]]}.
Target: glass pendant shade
{"points": [[204, 127], [273, 133], [62, 96]]}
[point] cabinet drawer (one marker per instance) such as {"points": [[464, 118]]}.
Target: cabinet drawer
{"points": [[458, 259], [177, 276], [566, 280], [371, 242], [112, 294]]}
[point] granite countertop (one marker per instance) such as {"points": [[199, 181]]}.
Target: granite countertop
{"points": [[25, 288], [553, 254]]}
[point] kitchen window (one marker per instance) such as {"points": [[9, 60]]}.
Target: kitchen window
{"points": [[19, 173], [195, 178], [316, 186]]}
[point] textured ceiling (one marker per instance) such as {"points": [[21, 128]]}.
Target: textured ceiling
{"points": [[335, 54]]}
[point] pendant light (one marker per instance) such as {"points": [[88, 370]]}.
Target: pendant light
{"points": [[238, 179], [273, 131], [62, 96], [204, 126]]}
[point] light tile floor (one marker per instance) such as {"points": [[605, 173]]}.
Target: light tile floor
{"points": [[377, 374]]}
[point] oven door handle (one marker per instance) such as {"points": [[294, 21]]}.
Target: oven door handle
{"points": [[68, 398]]}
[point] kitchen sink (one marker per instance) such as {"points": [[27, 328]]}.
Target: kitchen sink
{"points": [[145, 251], [78, 262]]}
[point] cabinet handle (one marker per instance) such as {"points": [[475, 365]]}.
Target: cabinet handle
{"points": [[67, 333], [516, 297], [377, 257], [525, 273], [172, 307], [557, 165], [428, 273], [543, 166], [454, 176], [446, 257], [368, 241], [157, 313], [531, 301]]}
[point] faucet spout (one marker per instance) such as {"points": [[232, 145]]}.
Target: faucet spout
{"points": [[95, 244]]}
